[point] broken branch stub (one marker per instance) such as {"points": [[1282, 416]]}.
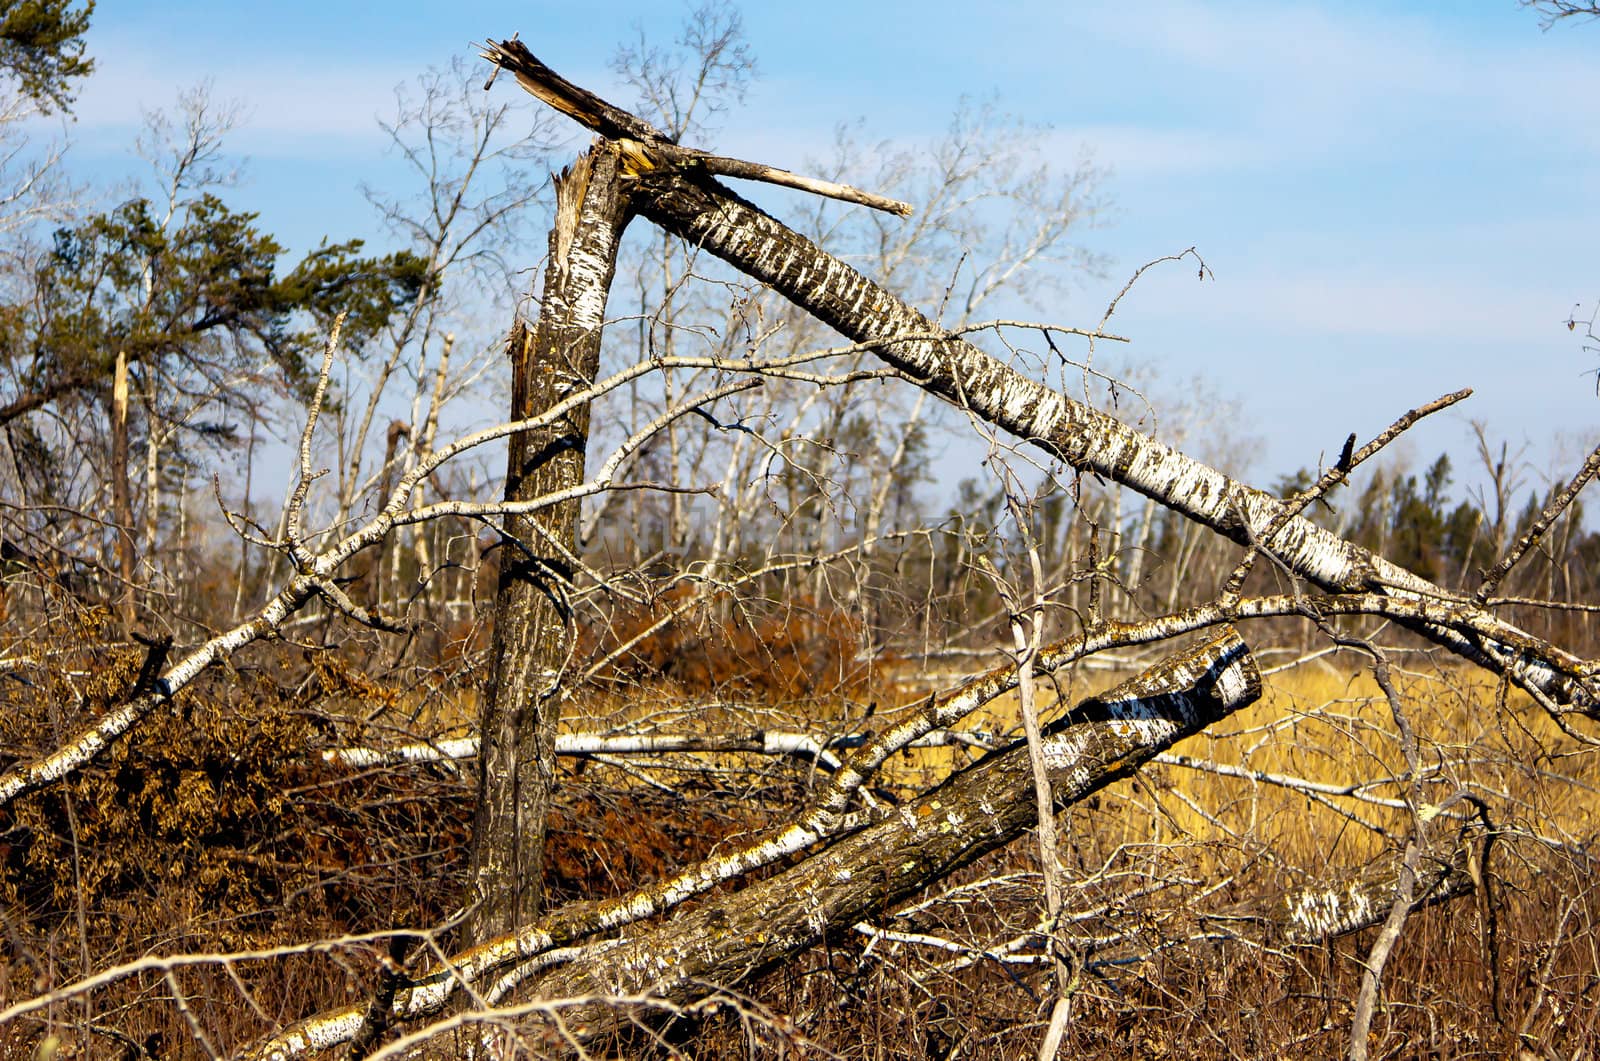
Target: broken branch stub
{"points": [[645, 147], [579, 104]]}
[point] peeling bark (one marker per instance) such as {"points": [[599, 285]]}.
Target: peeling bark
{"points": [[1323, 910], [532, 632]]}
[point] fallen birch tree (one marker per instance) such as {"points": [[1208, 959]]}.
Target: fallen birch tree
{"points": [[732, 939], [673, 189]]}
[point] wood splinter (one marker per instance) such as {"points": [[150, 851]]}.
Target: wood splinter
{"points": [[648, 148]]}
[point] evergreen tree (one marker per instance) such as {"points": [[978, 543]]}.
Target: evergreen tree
{"points": [[41, 45]]}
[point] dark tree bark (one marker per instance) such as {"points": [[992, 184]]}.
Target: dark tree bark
{"points": [[1105, 738], [532, 632], [731, 937]]}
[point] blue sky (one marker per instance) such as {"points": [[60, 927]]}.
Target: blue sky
{"points": [[1391, 195]]}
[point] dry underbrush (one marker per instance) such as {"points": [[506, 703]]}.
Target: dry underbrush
{"points": [[1151, 862], [217, 827]]}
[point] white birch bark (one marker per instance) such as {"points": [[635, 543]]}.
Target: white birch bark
{"points": [[712, 217]]}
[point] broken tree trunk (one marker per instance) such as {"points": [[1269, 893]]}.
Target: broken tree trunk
{"points": [[676, 190], [532, 629], [121, 506]]}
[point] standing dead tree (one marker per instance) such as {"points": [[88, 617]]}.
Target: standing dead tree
{"points": [[532, 633]]}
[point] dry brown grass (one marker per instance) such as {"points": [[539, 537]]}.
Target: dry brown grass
{"points": [[200, 835], [1159, 852]]}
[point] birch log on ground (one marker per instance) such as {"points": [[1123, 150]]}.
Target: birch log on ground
{"points": [[732, 937], [989, 804]]}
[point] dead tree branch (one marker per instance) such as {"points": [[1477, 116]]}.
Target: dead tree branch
{"points": [[644, 145]]}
